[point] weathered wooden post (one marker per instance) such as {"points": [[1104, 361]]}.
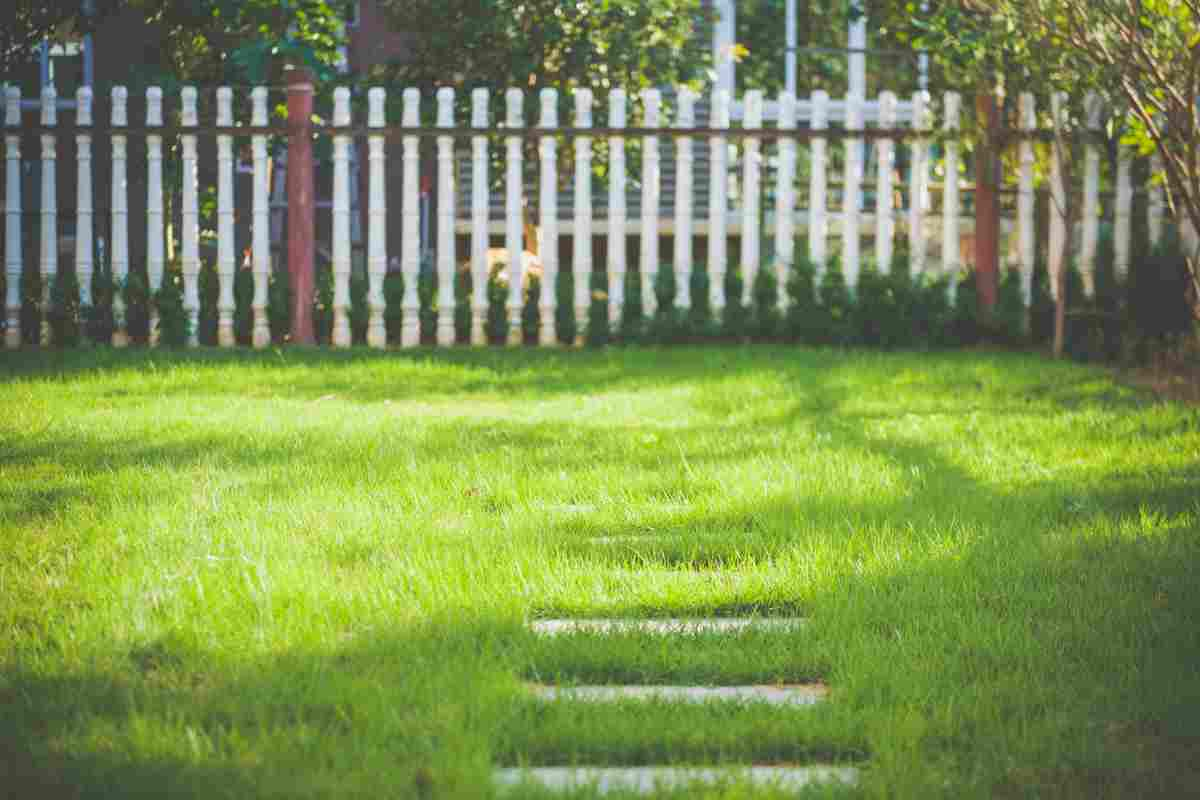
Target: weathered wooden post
{"points": [[301, 212], [987, 202]]}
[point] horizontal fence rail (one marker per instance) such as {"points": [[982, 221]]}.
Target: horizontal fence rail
{"points": [[833, 164]]}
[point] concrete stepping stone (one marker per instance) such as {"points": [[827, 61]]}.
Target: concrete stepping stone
{"points": [[804, 694], [645, 780], [554, 627]]}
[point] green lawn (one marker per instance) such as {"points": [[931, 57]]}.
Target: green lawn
{"points": [[306, 574]]}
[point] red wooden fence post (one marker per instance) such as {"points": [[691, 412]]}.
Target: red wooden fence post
{"points": [[301, 205], [987, 202]]}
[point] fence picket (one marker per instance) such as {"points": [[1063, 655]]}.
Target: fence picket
{"points": [[13, 258], [852, 195], [548, 208], [1156, 211], [1058, 197], [1091, 197], [582, 238], [226, 258], [751, 197], [1123, 214], [84, 208], [684, 182], [818, 232], [718, 203], [120, 215], [377, 260], [341, 220], [651, 193], [479, 218], [410, 244], [785, 198], [884, 221], [616, 208], [445, 220], [190, 218], [49, 213], [950, 238], [513, 211], [261, 236], [918, 192], [155, 213], [1025, 198]]}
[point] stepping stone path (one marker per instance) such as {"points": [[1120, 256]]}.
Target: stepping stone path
{"points": [[645, 780], [649, 779], [553, 627], [799, 695]]}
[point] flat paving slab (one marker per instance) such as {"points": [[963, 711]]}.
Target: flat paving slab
{"points": [[554, 627], [644, 780], [802, 694]]}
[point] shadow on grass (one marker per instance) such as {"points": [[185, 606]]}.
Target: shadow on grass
{"points": [[1051, 650]]}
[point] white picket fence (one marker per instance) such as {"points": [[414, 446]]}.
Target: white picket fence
{"points": [[819, 112]]}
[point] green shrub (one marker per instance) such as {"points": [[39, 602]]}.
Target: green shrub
{"points": [[210, 296], [599, 330], [564, 316], [1158, 294], [932, 312], [1041, 310], [243, 299], [700, 323], [735, 318], [393, 298], [632, 327], [279, 305], [806, 319], [837, 305], [668, 324], [464, 284], [531, 320], [1009, 319], [173, 324], [766, 322], [63, 313], [966, 325], [427, 290]]}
